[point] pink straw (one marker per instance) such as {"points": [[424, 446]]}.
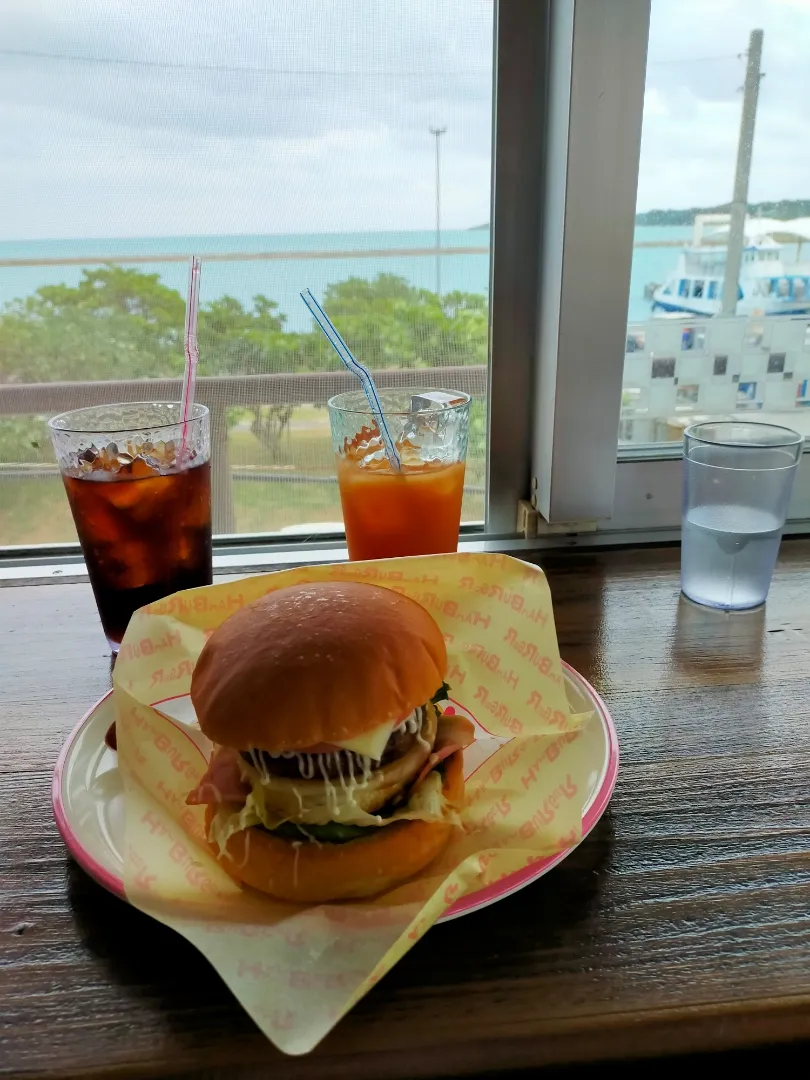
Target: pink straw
{"points": [[190, 347]]}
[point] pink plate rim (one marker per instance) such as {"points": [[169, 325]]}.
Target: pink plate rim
{"points": [[467, 904]]}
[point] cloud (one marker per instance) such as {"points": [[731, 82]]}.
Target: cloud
{"points": [[243, 117], [693, 102], [313, 115]]}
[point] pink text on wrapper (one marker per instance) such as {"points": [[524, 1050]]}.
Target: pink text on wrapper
{"points": [[493, 663], [182, 670], [455, 676], [511, 599], [546, 813], [375, 573], [300, 980], [185, 604], [450, 609], [550, 753], [166, 747], [193, 870], [498, 710], [185, 815], [554, 717], [147, 647], [141, 878], [529, 650]]}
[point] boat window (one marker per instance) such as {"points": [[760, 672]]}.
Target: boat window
{"points": [[683, 287], [712, 290], [697, 289], [799, 288]]}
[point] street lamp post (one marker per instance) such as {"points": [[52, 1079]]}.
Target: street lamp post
{"points": [[437, 132]]}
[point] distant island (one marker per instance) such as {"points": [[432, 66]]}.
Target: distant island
{"points": [[783, 209]]}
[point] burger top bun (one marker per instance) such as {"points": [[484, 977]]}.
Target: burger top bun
{"points": [[316, 663]]}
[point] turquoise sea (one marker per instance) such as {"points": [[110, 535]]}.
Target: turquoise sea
{"points": [[282, 279]]}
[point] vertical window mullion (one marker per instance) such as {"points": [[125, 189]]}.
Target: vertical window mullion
{"points": [[597, 68]]}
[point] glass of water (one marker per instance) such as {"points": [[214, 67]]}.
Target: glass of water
{"points": [[737, 480]]}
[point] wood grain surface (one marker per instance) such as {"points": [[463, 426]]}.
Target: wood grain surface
{"points": [[681, 924]]}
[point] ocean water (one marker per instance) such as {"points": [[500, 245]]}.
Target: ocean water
{"points": [[282, 279]]}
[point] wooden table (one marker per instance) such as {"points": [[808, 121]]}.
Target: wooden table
{"points": [[681, 924]]}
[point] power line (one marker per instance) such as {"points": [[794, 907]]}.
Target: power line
{"points": [[695, 59], [230, 68], [239, 69]]}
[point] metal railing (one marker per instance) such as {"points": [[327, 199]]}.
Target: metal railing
{"points": [[220, 392]]}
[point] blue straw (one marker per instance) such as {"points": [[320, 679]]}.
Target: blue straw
{"points": [[356, 368]]}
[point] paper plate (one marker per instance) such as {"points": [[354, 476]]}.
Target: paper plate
{"points": [[88, 797]]}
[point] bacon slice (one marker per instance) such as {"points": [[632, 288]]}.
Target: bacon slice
{"points": [[453, 733], [222, 781]]}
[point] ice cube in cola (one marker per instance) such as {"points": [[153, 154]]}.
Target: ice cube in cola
{"points": [[145, 530]]}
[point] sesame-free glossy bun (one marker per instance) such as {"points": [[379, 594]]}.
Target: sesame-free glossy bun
{"points": [[308, 873], [316, 663]]}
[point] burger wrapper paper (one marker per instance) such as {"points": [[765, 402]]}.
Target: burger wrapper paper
{"points": [[298, 969]]}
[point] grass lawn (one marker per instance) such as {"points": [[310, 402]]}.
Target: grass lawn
{"points": [[34, 511]]}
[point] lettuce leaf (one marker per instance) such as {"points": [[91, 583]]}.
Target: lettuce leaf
{"points": [[426, 802], [332, 833], [442, 694]]}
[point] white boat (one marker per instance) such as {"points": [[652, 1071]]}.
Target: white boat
{"points": [[769, 285]]}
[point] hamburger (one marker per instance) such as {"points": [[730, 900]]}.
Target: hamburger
{"points": [[334, 773]]}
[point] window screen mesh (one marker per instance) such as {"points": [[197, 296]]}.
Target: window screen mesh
{"points": [[291, 145]]}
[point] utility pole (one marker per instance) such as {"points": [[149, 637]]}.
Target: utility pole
{"points": [[739, 202], [438, 132]]}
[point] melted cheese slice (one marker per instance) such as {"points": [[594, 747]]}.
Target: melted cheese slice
{"points": [[372, 743]]}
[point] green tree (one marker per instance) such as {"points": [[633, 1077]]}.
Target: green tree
{"points": [[115, 324], [388, 323], [120, 323]]}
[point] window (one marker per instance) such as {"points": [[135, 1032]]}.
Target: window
{"points": [[755, 356], [666, 74], [574, 284], [696, 65], [344, 147]]}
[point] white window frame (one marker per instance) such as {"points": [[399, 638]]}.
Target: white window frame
{"points": [[583, 485], [597, 71]]}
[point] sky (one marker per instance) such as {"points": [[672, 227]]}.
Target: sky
{"points": [[166, 117]]}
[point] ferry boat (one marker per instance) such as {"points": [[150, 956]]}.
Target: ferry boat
{"points": [[769, 284]]}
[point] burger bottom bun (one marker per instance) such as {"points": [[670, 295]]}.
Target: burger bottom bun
{"points": [[305, 872]]}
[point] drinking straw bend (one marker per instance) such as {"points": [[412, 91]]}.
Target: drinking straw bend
{"points": [[362, 373]]}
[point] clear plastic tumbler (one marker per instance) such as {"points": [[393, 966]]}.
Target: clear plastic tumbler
{"points": [[737, 480], [138, 480], [417, 510]]}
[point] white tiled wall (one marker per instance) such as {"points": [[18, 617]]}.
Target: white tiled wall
{"points": [[716, 366]]}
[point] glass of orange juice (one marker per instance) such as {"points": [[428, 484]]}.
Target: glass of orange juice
{"points": [[413, 511]]}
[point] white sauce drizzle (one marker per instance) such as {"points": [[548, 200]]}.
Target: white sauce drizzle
{"points": [[349, 781], [339, 767], [329, 788], [365, 765]]}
